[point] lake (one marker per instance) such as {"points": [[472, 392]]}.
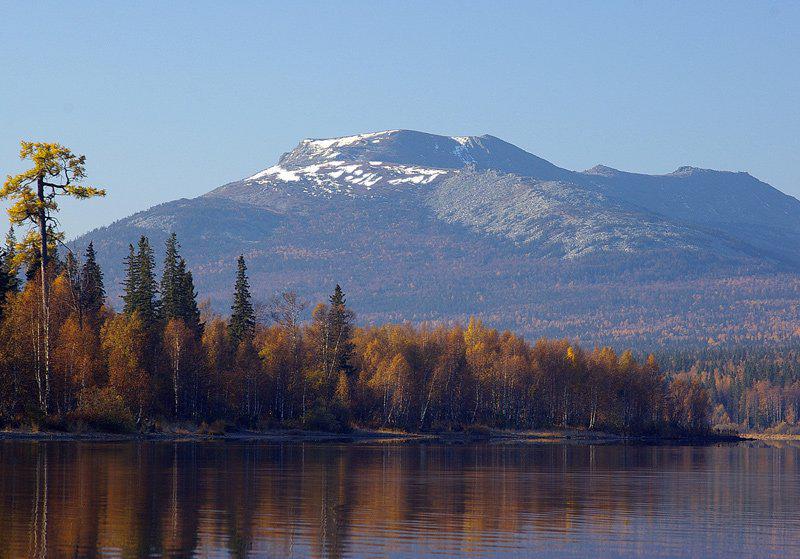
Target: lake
{"points": [[238, 499]]}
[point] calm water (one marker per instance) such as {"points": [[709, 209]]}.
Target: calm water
{"points": [[233, 499]]}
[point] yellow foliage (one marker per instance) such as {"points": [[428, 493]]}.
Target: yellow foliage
{"points": [[571, 357], [55, 172]]}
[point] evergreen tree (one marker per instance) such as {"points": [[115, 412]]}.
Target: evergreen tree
{"points": [[189, 311], [340, 326], [147, 302], [28, 252], [178, 296], [74, 281], [93, 293], [6, 283], [141, 289], [131, 282], [8, 265], [32, 265], [171, 280], [9, 282], [243, 319], [70, 268], [11, 239]]}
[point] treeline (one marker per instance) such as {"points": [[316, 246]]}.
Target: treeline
{"points": [[751, 388], [161, 358]]}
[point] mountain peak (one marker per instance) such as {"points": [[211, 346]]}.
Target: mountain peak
{"points": [[376, 164], [453, 216], [602, 170], [421, 149], [686, 170], [323, 144]]}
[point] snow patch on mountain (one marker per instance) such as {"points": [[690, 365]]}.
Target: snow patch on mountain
{"points": [[345, 177], [496, 188], [279, 172], [463, 154], [346, 140]]}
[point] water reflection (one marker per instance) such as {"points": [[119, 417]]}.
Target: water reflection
{"points": [[321, 500]]}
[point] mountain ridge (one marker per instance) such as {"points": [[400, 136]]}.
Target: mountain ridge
{"points": [[438, 216]]}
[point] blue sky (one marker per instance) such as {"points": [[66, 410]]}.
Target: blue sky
{"points": [[172, 99]]}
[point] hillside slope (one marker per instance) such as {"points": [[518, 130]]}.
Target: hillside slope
{"points": [[423, 227]]}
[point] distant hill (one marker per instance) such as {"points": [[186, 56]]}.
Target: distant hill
{"points": [[419, 227]]}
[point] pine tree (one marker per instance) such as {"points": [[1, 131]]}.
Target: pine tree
{"points": [[32, 255], [8, 265], [141, 289], [340, 327], [178, 296], [131, 282], [333, 327], [9, 282], [170, 280], [147, 302], [337, 299], [93, 293], [5, 280], [189, 311], [243, 320], [74, 283]]}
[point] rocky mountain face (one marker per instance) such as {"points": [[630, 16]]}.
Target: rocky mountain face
{"points": [[420, 227]]}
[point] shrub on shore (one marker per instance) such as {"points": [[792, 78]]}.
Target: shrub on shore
{"points": [[103, 409]]}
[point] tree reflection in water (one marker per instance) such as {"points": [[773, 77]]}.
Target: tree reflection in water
{"points": [[329, 500]]}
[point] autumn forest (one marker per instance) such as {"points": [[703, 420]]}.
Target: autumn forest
{"points": [[68, 360], [162, 358]]}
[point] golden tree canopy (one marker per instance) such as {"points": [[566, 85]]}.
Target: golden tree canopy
{"points": [[56, 172]]}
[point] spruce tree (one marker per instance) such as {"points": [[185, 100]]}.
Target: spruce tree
{"points": [[337, 298], [11, 239], [33, 264], [178, 296], [141, 289], [33, 258], [189, 311], [9, 282], [147, 302], [6, 282], [129, 285], [93, 293], [8, 264], [340, 327], [71, 269], [243, 320], [171, 280], [73, 280]]}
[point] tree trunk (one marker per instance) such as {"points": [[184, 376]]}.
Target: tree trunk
{"points": [[176, 364], [43, 258]]}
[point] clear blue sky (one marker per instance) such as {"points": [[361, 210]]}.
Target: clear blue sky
{"points": [[171, 99]]}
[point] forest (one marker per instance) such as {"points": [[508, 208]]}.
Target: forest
{"points": [[164, 359], [69, 360], [751, 388]]}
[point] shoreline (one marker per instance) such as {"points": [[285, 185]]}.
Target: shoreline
{"points": [[497, 436]]}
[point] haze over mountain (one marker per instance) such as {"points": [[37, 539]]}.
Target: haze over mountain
{"points": [[425, 227]]}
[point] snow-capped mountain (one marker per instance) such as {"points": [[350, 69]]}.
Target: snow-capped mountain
{"points": [[367, 165], [496, 188], [422, 226]]}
